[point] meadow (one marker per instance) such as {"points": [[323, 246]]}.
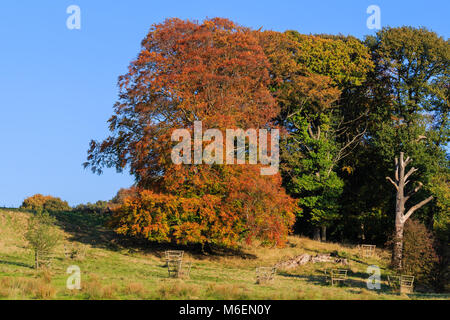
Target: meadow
{"points": [[117, 268]]}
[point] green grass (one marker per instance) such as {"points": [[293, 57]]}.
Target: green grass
{"points": [[112, 270]]}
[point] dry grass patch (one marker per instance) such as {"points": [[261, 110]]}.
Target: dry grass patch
{"points": [[24, 287], [228, 291], [46, 275], [135, 288], [94, 290], [177, 290]]}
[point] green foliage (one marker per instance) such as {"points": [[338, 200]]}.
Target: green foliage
{"points": [[412, 69], [407, 94], [419, 256], [56, 205], [309, 175], [100, 207], [42, 236], [344, 59], [440, 188], [414, 64], [315, 81]]}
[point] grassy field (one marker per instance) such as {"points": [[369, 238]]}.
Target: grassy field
{"points": [[112, 271]]}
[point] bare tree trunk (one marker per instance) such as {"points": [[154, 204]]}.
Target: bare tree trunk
{"points": [[324, 234], [397, 253], [401, 180]]}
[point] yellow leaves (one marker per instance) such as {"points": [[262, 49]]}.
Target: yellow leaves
{"points": [[347, 169]]}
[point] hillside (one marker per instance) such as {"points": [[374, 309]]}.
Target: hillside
{"points": [[111, 271]]}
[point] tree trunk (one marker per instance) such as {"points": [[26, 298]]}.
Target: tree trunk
{"points": [[324, 234], [397, 253], [400, 181], [316, 234], [36, 259]]}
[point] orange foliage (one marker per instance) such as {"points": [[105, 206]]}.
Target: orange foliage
{"points": [[252, 206], [41, 202], [216, 72], [35, 202]]}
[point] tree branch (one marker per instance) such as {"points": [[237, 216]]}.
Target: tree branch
{"points": [[417, 206], [410, 172], [310, 131], [407, 161], [414, 191], [419, 138], [395, 185], [396, 169]]}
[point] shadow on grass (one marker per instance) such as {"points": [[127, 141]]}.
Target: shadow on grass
{"points": [[90, 228], [17, 264], [87, 229], [355, 284], [417, 295], [210, 252], [314, 279]]}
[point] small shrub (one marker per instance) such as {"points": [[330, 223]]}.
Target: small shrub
{"points": [[419, 256], [42, 237]]}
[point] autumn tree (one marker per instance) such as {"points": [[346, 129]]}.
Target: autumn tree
{"points": [[215, 72]]}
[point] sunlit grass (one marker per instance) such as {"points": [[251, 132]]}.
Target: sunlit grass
{"points": [[140, 273]]}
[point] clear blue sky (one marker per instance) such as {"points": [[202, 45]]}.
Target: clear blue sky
{"points": [[58, 86]]}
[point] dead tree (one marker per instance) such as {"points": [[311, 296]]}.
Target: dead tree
{"points": [[401, 180]]}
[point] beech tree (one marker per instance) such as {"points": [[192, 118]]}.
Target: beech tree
{"points": [[215, 72], [399, 182]]}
